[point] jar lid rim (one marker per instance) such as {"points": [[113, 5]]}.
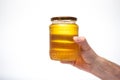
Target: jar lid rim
{"points": [[63, 18]]}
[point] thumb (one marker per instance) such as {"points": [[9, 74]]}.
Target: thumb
{"points": [[82, 42]]}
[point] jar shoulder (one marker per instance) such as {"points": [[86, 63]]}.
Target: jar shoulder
{"points": [[63, 25]]}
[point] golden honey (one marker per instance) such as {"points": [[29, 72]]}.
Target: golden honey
{"points": [[62, 46]]}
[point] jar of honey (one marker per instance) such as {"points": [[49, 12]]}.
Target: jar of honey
{"points": [[62, 46]]}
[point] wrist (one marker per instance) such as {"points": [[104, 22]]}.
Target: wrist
{"points": [[89, 66], [94, 64]]}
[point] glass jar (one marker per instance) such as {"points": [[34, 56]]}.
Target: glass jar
{"points": [[62, 46]]}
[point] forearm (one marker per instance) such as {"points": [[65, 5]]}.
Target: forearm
{"points": [[105, 69]]}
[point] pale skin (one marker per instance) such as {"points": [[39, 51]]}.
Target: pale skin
{"points": [[94, 64]]}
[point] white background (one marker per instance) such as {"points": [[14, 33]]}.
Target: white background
{"points": [[24, 36]]}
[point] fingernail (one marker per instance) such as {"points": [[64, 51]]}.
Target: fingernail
{"points": [[76, 39]]}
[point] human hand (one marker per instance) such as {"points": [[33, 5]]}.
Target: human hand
{"points": [[87, 55]]}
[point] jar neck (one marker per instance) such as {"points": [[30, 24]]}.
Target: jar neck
{"points": [[63, 22]]}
